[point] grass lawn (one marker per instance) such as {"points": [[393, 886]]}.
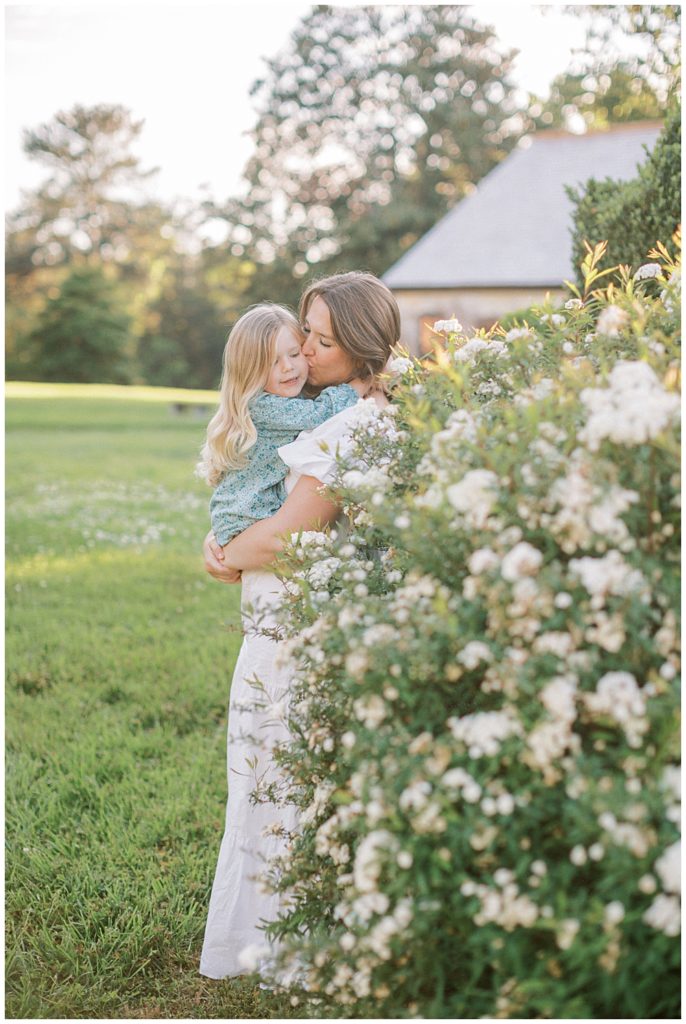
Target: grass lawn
{"points": [[119, 657]]}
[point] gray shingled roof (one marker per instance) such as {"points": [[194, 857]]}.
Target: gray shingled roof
{"points": [[515, 229]]}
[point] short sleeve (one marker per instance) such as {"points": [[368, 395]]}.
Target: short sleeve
{"points": [[314, 452]]}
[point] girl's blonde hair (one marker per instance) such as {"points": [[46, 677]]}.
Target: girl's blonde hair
{"points": [[364, 316], [248, 358]]}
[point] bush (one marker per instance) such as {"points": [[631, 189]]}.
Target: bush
{"points": [[83, 334], [484, 722], [631, 216]]}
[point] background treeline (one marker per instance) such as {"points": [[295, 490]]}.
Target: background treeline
{"points": [[371, 123]]}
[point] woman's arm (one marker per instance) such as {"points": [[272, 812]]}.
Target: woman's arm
{"points": [[305, 508]]}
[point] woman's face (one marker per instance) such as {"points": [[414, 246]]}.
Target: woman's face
{"points": [[327, 361]]}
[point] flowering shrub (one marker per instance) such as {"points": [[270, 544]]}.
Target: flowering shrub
{"points": [[485, 742]]}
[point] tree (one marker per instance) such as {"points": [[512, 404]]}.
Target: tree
{"points": [[84, 208], [92, 211], [372, 122], [186, 332], [82, 334], [632, 216], [584, 100]]}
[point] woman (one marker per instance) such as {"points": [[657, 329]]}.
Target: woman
{"points": [[351, 321]]}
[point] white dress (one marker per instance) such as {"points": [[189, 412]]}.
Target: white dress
{"points": [[237, 905]]}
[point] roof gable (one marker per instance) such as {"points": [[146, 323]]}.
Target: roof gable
{"points": [[515, 229]]}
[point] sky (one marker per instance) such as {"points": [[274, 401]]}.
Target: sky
{"points": [[187, 70]]}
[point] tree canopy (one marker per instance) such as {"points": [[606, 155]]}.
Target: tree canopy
{"points": [[371, 123]]}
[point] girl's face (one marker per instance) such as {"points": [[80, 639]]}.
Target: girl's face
{"points": [[327, 361], [289, 369]]}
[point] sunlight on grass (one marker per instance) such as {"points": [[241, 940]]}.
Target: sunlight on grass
{"points": [[128, 392], [119, 654]]}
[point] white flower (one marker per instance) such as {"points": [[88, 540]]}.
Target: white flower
{"points": [[251, 956], [633, 409], [481, 561], [473, 653], [578, 856], [474, 496], [459, 426], [371, 480], [484, 731], [356, 663], [618, 696], [574, 304], [612, 320], [447, 326], [668, 868], [348, 739], [614, 912], [367, 867], [370, 710], [647, 271], [522, 560], [470, 350], [399, 365], [415, 796], [610, 574], [519, 332], [664, 914], [559, 698], [319, 574], [554, 319], [566, 932]]}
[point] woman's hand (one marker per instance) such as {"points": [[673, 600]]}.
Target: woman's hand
{"points": [[215, 564]]}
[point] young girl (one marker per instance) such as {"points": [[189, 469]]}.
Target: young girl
{"points": [[263, 373]]}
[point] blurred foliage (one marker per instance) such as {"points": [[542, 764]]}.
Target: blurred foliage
{"points": [[633, 215], [372, 122], [83, 334], [657, 25], [94, 211], [604, 86], [596, 101]]}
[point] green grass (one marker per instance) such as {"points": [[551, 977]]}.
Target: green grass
{"points": [[119, 655]]}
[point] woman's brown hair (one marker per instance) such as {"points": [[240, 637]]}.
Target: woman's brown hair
{"points": [[364, 316]]}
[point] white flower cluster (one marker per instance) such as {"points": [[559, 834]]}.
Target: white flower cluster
{"points": [[610, 574], [549, 741], [618, 695], [399, 365], [505, 906], [484, 731], [447, 326], [475, 496], [648, 271], [320, 573], [537, 601], [633, 409], [612, 320], [522, 560], [577, 508], [468, 352]]}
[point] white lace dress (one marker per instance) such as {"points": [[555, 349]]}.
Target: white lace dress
{"points": [[237, 906]]}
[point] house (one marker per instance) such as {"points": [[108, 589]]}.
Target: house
{"points": [[508, 244]]}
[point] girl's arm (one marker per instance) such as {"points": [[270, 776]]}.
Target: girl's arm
{"points": [[277, 413], [305, 508]]}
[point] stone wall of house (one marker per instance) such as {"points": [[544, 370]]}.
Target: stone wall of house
{"points": [[473, 307]]}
